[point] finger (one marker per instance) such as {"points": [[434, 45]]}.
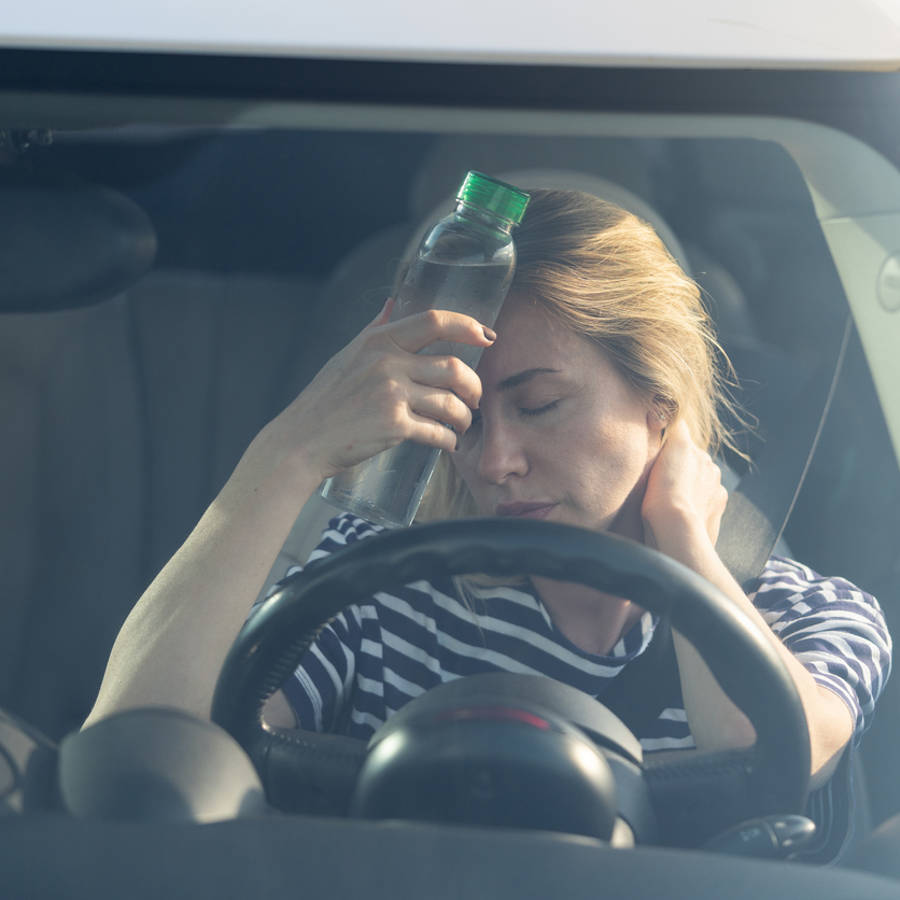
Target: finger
{"points": [[427, 431], [678, 433], [443, 407], [449, 373], [414, 333]]}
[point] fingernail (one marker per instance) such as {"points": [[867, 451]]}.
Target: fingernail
{"points": [[489, 333]]}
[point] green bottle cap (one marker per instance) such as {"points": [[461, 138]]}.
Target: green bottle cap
{"points": [[496, 197]]}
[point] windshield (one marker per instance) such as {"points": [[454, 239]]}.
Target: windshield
{"points": [[181, 265]]}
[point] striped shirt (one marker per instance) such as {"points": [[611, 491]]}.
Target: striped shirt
{"points": [[375, 657]]}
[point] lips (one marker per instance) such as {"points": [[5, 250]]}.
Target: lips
{"points": [[525, 510]]}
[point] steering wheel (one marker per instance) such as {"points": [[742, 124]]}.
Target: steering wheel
{"points": [[770, 777]]}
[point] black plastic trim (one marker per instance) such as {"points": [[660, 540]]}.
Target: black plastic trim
{"points": [[858, 102]]}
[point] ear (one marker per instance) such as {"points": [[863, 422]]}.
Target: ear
{"points": [[658, 419]]}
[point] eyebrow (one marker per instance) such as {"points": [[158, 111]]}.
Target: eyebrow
{"points": [[521, 377]]}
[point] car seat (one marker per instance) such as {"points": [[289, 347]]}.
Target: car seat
{"points": [[71, 455], [121, 422]]}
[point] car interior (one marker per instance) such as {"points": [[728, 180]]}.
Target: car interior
{"points": [[170, 288]]}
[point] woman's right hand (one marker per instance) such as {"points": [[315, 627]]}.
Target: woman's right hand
{"points": [[378, 392]]}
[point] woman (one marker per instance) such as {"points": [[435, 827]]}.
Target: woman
{"points": [[596, 404]]}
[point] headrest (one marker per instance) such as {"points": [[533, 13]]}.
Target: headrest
{"points": [[65, 243], [620, 160]]}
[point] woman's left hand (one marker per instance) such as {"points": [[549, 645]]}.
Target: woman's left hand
{"points": [[684, 499]]}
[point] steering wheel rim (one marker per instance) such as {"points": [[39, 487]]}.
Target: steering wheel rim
{"points": [[268, 649]]}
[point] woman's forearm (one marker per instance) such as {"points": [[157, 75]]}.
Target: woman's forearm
{"points": [[173, 643], [716, 722]]}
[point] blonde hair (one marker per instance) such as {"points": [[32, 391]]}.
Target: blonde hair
{"points": [[605, 274]]}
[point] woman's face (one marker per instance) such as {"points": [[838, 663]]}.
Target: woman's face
{"points": [[560, 435]]}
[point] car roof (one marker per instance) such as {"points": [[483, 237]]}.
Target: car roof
{"points": [[854, 34]]}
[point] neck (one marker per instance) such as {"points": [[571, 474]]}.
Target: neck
{"points": [[591, 620]]}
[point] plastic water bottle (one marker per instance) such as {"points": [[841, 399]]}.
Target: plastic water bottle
{"points": [[465, 263]]}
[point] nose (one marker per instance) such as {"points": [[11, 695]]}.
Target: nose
{"points": [[501, 452]]}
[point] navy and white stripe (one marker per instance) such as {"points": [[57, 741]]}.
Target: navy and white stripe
{"points": [[377, 656], [381, 654], [836, 630]]}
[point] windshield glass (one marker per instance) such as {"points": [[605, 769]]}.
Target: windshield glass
{"points": [[179, 271]]}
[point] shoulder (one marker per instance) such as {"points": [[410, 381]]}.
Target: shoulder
{"points": [[787, 584], [418, 598], [781, 573], [797, 601], [341, 531], [836, 629]]}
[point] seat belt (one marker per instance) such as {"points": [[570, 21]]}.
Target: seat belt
{"points": [[759, 509], [754, 520]]}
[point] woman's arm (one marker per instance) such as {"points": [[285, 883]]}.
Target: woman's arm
{"points": [[682, 510], [717, 723], [174, 641], [374, 394]]}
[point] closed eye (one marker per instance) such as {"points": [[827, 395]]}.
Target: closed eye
{"points": [[537, 410]]}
